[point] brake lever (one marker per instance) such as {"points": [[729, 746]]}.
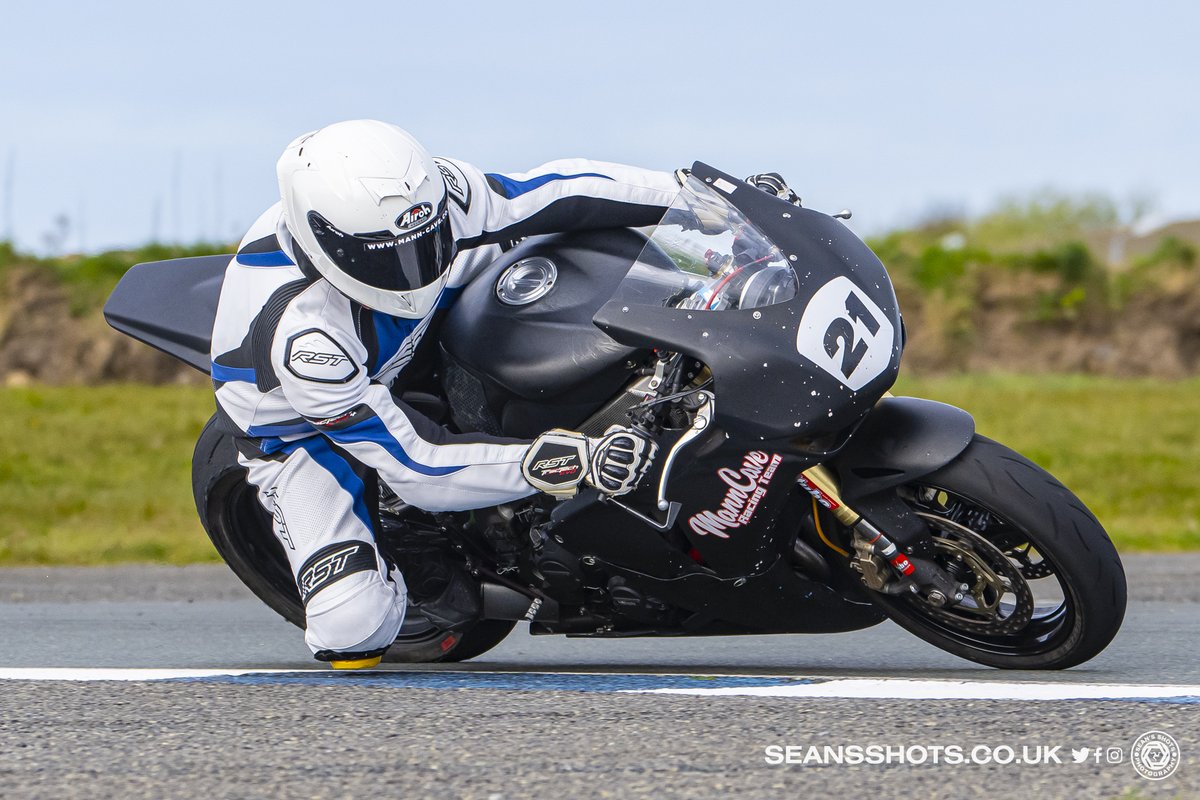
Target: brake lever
{"points": [[588, 498], [700, 424], [703, 418]]}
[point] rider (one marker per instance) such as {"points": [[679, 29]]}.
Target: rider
{"points": [[324, 305], [321, 310]]}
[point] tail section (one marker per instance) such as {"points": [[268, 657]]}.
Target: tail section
{"points": [[170, 305]]}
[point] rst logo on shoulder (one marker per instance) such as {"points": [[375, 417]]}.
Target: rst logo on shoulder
{"points": [[313, 355]]}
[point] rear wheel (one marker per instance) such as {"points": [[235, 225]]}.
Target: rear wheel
{"points": [[1043, 585], [242, 533]]}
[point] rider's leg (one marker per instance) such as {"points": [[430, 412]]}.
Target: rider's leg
{"points": [[326, 513]]}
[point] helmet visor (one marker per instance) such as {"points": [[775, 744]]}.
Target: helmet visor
{"points": [[384, 260]]}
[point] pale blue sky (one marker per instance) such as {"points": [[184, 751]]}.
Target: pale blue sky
{"points": [[890, 108]]}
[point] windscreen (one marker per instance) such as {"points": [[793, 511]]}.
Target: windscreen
{"points": [[706, 255]]}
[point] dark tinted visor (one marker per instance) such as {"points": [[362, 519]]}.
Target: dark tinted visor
{"points": [[383, 260]]}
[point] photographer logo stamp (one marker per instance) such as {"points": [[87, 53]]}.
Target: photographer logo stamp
{"points": [[1155, 755]]}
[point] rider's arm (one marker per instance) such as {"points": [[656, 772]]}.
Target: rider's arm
{"points": [[566, 195], [320, 363]]}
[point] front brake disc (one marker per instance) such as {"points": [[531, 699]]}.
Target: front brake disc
{"points": [[991, 577]]}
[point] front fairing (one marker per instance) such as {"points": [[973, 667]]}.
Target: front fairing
{"points": [[801, 367]]}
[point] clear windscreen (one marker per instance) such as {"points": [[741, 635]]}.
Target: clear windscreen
{"points": [[706, 255]]}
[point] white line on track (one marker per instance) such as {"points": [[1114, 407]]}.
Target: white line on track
{"points": [[772, 686], [122, 674]]}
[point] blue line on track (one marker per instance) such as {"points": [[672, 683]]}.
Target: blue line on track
{"points": [[560, 682], [542, 681], [1183, 700]]}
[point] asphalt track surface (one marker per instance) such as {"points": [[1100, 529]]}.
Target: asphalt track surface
{"points": [[551, 717]]}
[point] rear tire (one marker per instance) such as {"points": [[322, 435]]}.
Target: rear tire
{"points": [[242, 532], [1026, 505], [239, 527]]}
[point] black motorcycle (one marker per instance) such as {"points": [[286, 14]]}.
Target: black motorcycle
{"points": [[756, 341]]}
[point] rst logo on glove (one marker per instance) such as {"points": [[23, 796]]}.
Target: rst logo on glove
{"points": [[563, 465], [314, 356], [556, 461]]}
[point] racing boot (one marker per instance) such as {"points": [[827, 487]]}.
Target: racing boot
{"points": [[444, 593]]}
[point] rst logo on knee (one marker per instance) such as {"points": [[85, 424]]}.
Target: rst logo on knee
{"points": [[332, 563], [313, 355]]}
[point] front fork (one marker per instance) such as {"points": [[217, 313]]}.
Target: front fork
{"points": [[916, 575]]}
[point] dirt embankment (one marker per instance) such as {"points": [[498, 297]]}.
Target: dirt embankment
{"points": [[41, 341], [1154, 333]]}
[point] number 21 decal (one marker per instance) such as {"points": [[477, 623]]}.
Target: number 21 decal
{"points": [[846, 334]]}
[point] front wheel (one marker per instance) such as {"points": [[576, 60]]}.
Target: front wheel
{"points": [[1043, 585]]}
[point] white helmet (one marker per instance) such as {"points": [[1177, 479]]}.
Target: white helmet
{"points": [[366, 204]]}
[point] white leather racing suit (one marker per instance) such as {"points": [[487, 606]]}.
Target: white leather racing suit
{"points": [[302, 377]]}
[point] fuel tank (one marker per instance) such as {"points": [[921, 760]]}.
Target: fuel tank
{"points": [[521, 354]]}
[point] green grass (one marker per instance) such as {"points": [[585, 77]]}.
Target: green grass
{"points": [[101, 475], [1129, 448]]}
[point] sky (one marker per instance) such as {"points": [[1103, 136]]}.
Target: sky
{"points": [[141, 120]]}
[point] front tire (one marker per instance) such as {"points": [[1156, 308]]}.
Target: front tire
{"points": [[243, 535], [996, 507]]}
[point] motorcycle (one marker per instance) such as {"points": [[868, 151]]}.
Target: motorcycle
{"points": [[756, 341]]}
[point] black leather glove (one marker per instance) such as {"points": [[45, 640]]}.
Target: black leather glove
{"points": [[558, 461], [773, 183], [620, 459]]}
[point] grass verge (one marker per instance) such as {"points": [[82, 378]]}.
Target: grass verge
{"points": [[101, 475], [1129, 448]]}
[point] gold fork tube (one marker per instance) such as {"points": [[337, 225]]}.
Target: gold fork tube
{"points": [[821, 478]]}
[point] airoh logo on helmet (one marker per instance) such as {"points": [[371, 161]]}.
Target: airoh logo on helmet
{"points": [[417, 215]]}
